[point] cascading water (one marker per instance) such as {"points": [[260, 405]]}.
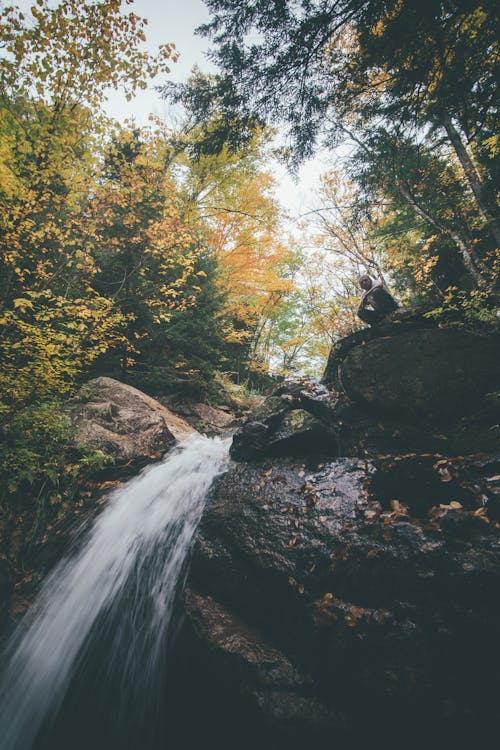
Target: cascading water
{"points": [[86, 666]]}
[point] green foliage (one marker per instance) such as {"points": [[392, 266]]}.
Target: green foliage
{"points": [[411, 86], [40, 472], [35, 451], [477, 311]]}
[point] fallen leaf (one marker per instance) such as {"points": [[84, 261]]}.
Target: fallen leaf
{"points": [[445, 474]]}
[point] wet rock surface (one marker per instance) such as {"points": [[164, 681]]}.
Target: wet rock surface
{"points": [[364, 550]]}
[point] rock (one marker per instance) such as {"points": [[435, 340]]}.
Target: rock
{"points": [[359, 548], [261, 674], [420, 371], [215, 419], [283, 433], [122, 421], [294, 420], [204, 417], [315, 421], [372, 578]]}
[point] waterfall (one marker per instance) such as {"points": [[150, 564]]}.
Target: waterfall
{"points": [[94, 641]]}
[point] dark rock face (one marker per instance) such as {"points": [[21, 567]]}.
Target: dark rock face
{"points": [[422, 371], [345, 576], [262, 674], [304, 418], [326, 591]]}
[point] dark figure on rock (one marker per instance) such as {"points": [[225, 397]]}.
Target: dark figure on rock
{"points": [[376, 301]]}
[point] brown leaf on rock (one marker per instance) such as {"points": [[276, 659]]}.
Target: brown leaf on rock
{"points": [[445, 474]]}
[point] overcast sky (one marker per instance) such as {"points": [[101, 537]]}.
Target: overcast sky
{"points": [[168, 21], [174, 21]]}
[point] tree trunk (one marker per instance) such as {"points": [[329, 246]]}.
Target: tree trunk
{"points": [[466, 252], [486, 204]]}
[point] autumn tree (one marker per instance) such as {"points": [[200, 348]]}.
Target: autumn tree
{"points": [[56, 65], [145, 251], [232, 195], [365, 70], [54, 73]]}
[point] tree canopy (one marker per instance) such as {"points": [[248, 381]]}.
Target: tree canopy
{"points": [[411, 85]]}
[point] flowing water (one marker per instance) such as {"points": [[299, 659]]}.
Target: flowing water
{"points": [[86, 668]]}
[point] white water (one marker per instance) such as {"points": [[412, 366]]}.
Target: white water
{"points": [[119, 587]]}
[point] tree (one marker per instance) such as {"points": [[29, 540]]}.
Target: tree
{"points": [[355, 68], [56, 65], [145, 251], [241, 222], [54, 73]]}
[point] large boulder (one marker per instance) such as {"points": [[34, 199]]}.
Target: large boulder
{"points": [[411, 368], [122, 421], [304, 418], [327, 592]]}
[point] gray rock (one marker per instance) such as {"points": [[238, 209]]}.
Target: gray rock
{"points": [[122, 421], [263, 674], [292, 421]]}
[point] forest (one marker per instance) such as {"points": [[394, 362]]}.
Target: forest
{"points": [[160, 255], [222, 495]]}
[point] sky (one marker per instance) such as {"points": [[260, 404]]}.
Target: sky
{"points": [[174, 21]]}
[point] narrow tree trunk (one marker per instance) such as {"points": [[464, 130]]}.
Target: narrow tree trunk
{"points": [[486, 207], [466, 252]]}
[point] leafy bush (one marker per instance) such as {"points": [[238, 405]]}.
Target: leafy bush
{"points": [[477, 311], [40, 470]]}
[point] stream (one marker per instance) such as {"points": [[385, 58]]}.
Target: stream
{"points": [[87, 666]]}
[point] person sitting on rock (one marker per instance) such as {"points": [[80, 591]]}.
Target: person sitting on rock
{"points": [[376, 301]]}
